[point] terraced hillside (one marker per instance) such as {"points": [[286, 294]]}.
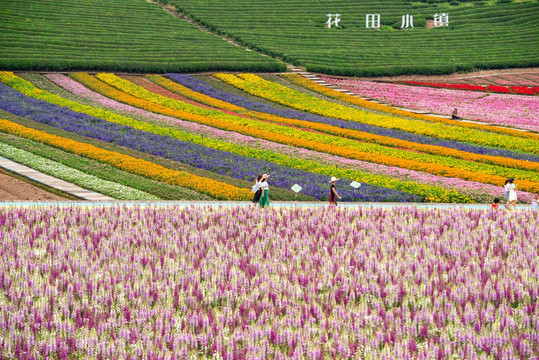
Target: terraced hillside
{"points": [[120, 35], [199, 137], [480, 34]]}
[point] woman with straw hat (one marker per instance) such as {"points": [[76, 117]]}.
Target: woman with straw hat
{"points": [[264, 197], [333, 194]]}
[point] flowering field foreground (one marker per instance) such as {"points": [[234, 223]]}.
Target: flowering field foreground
{"points": [[241, 283]]}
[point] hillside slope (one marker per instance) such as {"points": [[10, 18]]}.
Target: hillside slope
{"points": [[479, 35]]}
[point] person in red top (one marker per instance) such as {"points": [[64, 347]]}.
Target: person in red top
{"points": [[495, 204]]}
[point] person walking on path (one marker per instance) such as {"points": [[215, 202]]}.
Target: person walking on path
{"points": [[333, 194], [511, 194], [264, 196], [257, 190]]}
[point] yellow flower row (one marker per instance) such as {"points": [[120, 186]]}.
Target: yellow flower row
{"points": [[133, 165], [346, 133], [330, 144], [196, 96], [311, 85], [280, 94]]}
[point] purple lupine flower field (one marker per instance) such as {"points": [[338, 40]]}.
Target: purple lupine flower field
{"points": [[246, 283]]}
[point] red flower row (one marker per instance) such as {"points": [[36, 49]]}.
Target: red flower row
{"points": [[448, 86], [519, 90]]}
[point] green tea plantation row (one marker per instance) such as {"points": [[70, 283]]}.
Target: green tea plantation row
{"points": [[118, 35]]}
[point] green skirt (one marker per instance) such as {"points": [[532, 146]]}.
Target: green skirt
{"points": [[264, 199]]}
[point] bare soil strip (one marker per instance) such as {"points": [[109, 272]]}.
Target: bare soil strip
{"points": [[13, 189]]}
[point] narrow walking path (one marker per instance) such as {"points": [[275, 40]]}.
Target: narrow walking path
{"points": [[52, 181], [274, 204]]}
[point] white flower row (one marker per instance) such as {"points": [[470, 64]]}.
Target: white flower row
{"points": [[74, 176]]}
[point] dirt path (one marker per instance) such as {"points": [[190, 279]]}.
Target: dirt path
{"points": [[12, 189]]}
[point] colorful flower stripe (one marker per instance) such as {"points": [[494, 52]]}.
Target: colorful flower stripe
{"points": [[82, 91], [354, 100], [277, 93], [74, 176], [155, 88], [363, 136], [368, 104], [476, 191], [499, 89], [432, 192], [205, 154], [506, 110], [334, 145], [337, 127], [145, 168], [494, 180], [243, 283], [193, 87], [522, 90]]}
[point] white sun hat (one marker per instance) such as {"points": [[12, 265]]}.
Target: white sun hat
{"points": [[333, 178]]}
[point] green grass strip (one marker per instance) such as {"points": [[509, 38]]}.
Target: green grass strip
{"points": [[60, 171]]}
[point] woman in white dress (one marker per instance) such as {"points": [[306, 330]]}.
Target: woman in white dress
{"points": [[511, 194], [264, 197]]}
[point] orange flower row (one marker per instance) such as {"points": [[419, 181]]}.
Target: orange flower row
{"points": [[133, 165]]}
